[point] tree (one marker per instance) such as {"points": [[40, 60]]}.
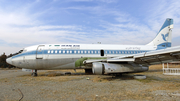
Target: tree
{"points": [[3, 63]]}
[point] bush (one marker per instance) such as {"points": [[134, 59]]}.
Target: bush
{"points": [[3, 63]]}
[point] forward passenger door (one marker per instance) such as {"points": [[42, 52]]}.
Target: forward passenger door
{"points": [[40, 52]]}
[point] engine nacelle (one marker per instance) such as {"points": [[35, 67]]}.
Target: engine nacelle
{"points": [[98, 68], [101, 68]]}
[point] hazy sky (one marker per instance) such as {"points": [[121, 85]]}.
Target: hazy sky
{"points": [[29, 22]]}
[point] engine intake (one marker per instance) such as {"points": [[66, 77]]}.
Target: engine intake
{"points": [[98, 68]]}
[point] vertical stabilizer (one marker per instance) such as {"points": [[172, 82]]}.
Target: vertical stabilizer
{"points": [[163, 37]]}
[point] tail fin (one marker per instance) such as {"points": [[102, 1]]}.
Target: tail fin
{"points": [[163, 37]]}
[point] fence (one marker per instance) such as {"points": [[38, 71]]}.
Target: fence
{"points": [[170, 71]]}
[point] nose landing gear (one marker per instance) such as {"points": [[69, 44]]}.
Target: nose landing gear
{"points": [[34, 73]]}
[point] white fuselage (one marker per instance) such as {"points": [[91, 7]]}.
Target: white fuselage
{"points": [[71, 56]]}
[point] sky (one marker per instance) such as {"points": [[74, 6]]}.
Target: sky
{"points": [[25, 23]]}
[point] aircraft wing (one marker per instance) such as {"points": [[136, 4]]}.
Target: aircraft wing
{"points": [[147, 58], [152, 57]]}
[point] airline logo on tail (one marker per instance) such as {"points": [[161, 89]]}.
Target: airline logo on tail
{"points": [[164, 36]]}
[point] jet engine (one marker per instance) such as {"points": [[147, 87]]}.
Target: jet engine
{"points": [[98, 68], [101, 68]]}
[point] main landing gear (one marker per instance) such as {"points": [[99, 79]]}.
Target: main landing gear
{"points": [[34, 73], [88, 71]]}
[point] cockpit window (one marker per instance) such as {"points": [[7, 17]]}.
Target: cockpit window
{"points": [[24, 51], [15, 53], [20, 51]]}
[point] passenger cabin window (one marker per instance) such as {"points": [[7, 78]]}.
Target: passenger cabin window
{"points": [[56, 45]]}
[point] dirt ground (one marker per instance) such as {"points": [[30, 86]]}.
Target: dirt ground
{"points": [[53, 86]]}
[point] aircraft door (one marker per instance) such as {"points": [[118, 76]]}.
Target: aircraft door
{"points": [[102, 52], [40, 52]]}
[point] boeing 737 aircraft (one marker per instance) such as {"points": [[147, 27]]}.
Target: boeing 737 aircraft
{"points": [[100, 58]]}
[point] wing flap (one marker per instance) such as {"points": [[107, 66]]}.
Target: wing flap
{"points": [[121, 60], [91, 61]]}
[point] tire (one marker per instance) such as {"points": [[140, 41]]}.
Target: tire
{"points": [[67, 73], [140, 77], [88, 71], [34, 74]]}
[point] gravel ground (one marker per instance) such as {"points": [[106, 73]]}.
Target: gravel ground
{"points": [[14, 84]]}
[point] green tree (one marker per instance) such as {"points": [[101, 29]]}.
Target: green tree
{"points": [[3, 63]]}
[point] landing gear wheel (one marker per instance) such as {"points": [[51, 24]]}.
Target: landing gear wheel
{"points": [[116, 75], [88, 71], [34, 74]]}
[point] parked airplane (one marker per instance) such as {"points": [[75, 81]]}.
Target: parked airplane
{"points": [[100, 58]]}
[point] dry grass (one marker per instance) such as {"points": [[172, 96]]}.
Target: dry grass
{"points": [[9, 68], [122, 95], [138, 94], [28, 80], [4, 80], [53, 73], [159, 67], [57, 79], [155, 81], [70, 70], [100, 79]]}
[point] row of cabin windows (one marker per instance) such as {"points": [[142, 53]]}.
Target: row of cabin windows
{"points": [[93, 52], [66, 51]]}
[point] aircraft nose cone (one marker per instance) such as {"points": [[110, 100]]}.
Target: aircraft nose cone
{"points": [[9, 60]]}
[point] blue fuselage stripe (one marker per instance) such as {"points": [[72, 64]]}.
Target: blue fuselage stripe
{"points": [[83, 52]]}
